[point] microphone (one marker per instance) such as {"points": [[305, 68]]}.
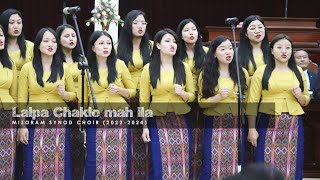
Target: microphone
{"points": [[231, 20], [71, 10]]}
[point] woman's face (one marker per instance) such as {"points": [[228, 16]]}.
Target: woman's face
{"points": [[256, 31], [68, 38], [167, 45], [48, 45], [282, 50], [15, 25], [139, 26], [190, 33], [224, 52], [2, 39], [102, 47]]}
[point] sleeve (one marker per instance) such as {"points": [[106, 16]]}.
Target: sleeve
{"points": [[30, 50], [69, 84], [305, 90], [203, 102], [189, 83], [255, 92], [126, 79], [145, 91], [14, 85], [246, 91], [86, 90], [23, 91]]}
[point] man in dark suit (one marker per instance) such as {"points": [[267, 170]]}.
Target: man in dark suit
{"points": [[302, 60], [316, 91]]}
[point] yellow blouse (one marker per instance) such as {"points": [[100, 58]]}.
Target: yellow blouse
{"points": [[259, 60], [136, 69], [279, 98], [106, 100], [73, 69], [195, 73], [8, 87], [18, 60], [164, 98], [46, 97], [227, 105]]}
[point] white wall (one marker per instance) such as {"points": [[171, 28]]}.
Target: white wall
{"points": [[113, 29]]}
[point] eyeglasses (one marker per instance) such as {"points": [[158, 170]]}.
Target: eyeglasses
{"points": [[253, 29], [143, 23]]}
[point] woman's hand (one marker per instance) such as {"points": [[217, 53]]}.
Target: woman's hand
{"points": [[113, 89], [145, 135], [253, 136], [296, 91], [62, 92], [23, 135], [224, 93]]}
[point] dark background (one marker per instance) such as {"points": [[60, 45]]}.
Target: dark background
{"points": [[161, 13]]}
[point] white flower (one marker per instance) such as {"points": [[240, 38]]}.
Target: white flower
{"points": [[87, 24], [92, 18], [93, 11], [104, 13]]}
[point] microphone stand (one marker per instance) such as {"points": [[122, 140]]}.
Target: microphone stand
{"points": [[64, 18], [241, 119], [286, 10], [83, 66]]}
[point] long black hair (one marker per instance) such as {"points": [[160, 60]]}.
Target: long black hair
{"points": [[125, 46], [4, 56], [199, 53], [56, 66], [4, 20], [211, 74], [75, 51], [92, 59], [245, 47], [271, 65], [154, 69]]}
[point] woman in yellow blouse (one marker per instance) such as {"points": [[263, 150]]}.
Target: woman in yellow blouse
{"points": [[108, 150], [20, 50], [134, 48], [192, 52], [217, 87], [166, 87], [70, 55], [69, 49], [45, 84], [254, 48], [281, 86], [8, 99]]}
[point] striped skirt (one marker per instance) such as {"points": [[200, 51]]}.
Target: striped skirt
{"points": [[139, 149], [170, 147], [47, 156], [197, 137], [220, 147], [7, 145], [280, 143], [108, 154]]}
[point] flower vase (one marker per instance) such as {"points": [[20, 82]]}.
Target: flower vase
{"points": [[105, 26]]}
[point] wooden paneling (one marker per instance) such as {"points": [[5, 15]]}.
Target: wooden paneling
{"points": [[308, 36]]}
